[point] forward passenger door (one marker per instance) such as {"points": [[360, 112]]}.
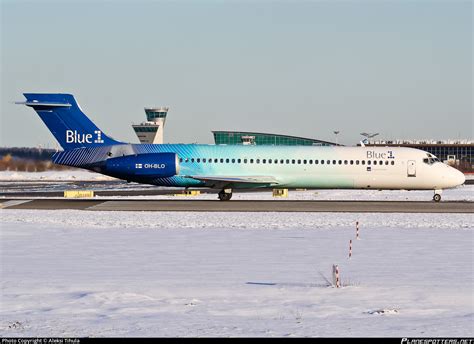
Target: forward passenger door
{"points": [[411, 168]]}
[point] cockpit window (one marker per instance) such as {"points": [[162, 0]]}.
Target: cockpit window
{"points": [[430, 161]]}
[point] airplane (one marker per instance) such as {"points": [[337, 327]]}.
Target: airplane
{"points": [[236, 166]]}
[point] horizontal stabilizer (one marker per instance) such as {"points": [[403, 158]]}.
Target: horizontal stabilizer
{"points": [[34, 104]]}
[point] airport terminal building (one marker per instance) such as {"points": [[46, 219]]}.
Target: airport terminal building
{"points": [[253, 138]]}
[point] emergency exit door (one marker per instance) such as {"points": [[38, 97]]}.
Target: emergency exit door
{"points": [[411, 168]]}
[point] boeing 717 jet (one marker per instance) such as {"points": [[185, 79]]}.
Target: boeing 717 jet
{"points": [[238, 166]]}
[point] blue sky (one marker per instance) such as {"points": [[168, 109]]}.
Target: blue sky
{"points": [[400, 68]]}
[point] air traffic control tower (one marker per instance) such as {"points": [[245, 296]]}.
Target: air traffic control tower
{"points": [[151, 131]]}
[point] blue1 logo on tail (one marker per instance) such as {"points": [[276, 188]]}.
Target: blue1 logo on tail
{"points": [[72, 136]]}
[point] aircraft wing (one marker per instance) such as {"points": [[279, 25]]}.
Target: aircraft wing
{"points": [[230, 181]]}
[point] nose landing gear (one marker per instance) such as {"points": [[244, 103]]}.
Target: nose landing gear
{"points": [[225, 195], [437, 195]]}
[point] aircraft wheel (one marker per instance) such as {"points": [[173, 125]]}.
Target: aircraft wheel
{"points": [[437, 197], [225, 196]]}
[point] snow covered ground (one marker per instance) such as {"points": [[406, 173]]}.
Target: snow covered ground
{"points": [[66, 175], [76, 273]]}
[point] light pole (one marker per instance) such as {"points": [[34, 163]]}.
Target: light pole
{"points": [[335, 133]]}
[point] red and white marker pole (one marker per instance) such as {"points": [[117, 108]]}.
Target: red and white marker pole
{"points": [[357, 230], [350, 249], [335, 276]]}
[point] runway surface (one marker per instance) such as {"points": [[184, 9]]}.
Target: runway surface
{"points": [[38, 188], [241, 206]]}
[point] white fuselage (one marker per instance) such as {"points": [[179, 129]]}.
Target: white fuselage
{"points": [[318, 167]]}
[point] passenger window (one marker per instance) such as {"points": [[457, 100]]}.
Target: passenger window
{"points": [[334, 162], [322, 162], [310, 161], [264, 161], [299, 161], [375, 162], [316, 162], [198, 160], [258, 161], [305, 162], [282, 161], [204, 160], [209, 161], [380, 162], [251, 161], [269, 161], [328, 162], [293, 161], [287, 161], [216, 160], [227, 160], [233, 161], [357, 162], [239, 161], [192, 159], [368, 162], [222, 160], [363, 162], [180, 159], [245, 161], [392, 162], [386, 162], [345, 162]]}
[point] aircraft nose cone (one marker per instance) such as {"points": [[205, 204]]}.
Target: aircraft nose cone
{"points": [[458, 177]]}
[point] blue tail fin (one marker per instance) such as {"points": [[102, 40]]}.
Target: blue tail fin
{"points": [[66, 121]]}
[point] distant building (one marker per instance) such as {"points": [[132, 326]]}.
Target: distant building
{"points": [[151, 131], [253, 138], [459, 153]]}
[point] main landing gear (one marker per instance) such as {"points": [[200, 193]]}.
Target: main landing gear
{"points": [[437, 195], [225, 195]]}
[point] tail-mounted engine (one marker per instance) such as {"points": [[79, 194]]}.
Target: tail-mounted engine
{"points": [[157, 165]]}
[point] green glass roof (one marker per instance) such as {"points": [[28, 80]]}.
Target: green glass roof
{"points": [[238, 137]]}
